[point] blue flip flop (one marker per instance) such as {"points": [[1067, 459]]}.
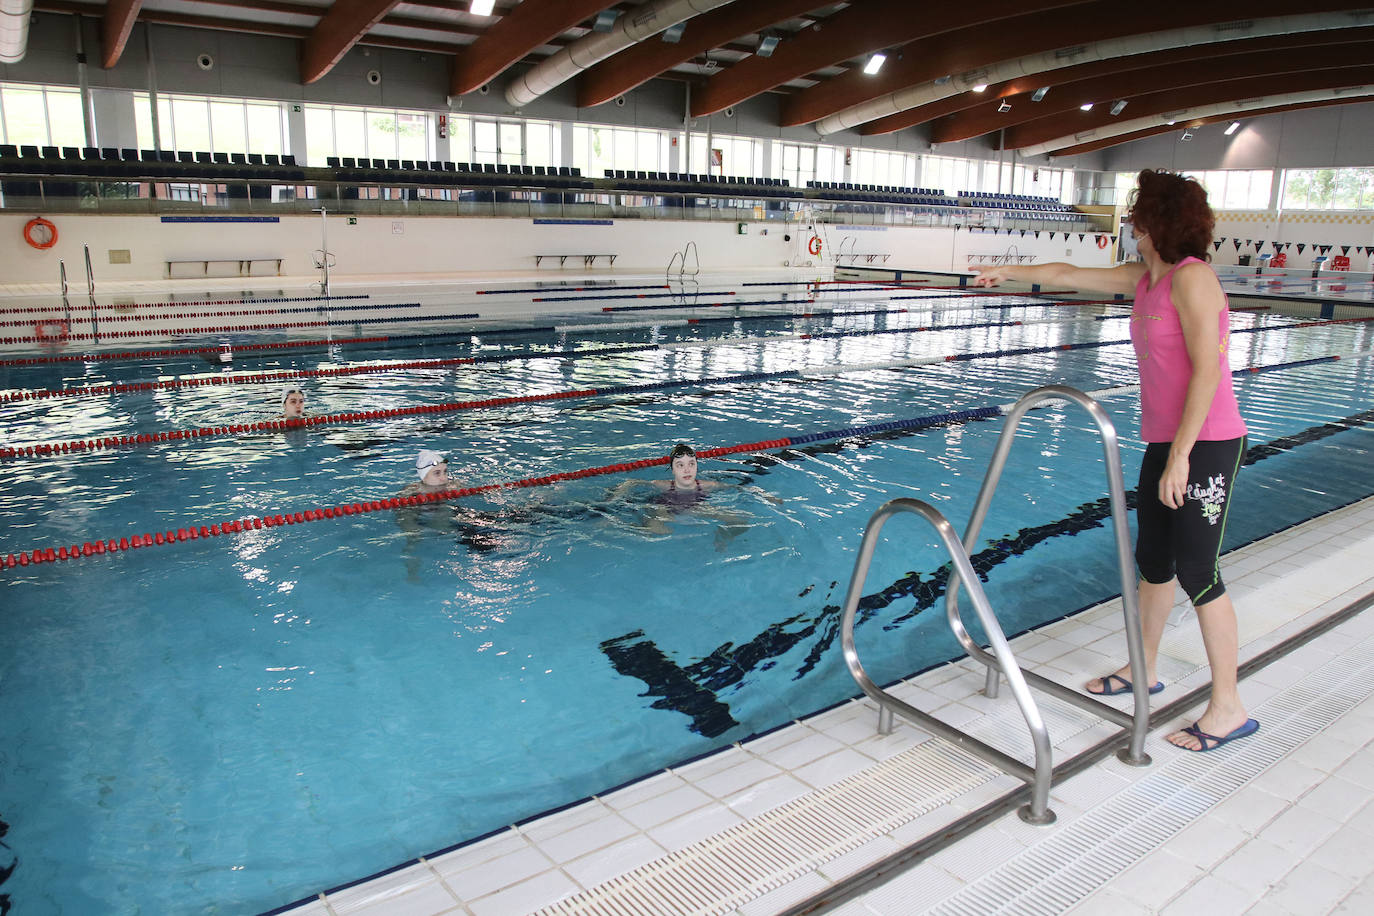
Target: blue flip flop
{"points": [[1212, 742], [1126, 686]]}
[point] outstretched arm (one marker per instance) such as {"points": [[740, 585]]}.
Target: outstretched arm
{"points": [[1120, 279]]}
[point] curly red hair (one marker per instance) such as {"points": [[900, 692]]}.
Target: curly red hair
{"points": [[1173, 211]]}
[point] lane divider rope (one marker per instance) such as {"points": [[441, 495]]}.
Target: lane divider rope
{"points": [[289, 374], [168, 316], [87, 306], [110, 546], [176, 332]]}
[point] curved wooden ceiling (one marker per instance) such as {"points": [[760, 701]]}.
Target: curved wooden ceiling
{"points": [[817, 67]]}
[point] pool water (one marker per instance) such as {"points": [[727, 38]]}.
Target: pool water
{"points": [[231, 724]]}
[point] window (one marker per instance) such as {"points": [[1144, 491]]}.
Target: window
{"points": [[41, 116], [953, 175], [202, 124], [738, 155], [1328, 189], [1236, 189], [883, 168], [366, 133], [597, 148]]}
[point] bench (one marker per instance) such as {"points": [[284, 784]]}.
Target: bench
{"points": [[1000, 258], [868, 258], [588, 260], [244, 266]]}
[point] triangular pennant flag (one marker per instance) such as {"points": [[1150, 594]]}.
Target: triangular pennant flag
{"points": [[1023, 233], [1301, 246], [1113, 238], [1237, 241], [1325, 249], [1037, 233], [1247, 241], [1259, 245], [1345, 250], [1216, 246], [1081, 235]]}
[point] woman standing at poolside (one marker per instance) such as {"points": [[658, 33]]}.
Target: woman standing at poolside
{"points": [[1195, 437]]}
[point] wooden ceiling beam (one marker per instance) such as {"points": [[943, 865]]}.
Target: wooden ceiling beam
{"points": [[115, 26], [337, 32], [529, 25]]}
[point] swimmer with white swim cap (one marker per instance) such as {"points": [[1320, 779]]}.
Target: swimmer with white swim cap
{"points": [[292, 403]]}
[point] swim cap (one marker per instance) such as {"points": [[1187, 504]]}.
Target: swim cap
{"points": [[681, 450], [426, 460], [290, 390]]}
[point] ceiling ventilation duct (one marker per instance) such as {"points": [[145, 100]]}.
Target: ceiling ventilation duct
{"points": [[14, 29], [1118, 128], [633, 26], [925, 93]]}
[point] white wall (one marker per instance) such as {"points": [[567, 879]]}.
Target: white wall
{"points": [[406, 246]]}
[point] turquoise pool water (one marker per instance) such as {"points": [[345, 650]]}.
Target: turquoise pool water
{"points": [[232, 724]]}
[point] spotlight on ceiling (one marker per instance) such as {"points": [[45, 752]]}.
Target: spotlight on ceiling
{"points": [[1235, 126], [767, 44], [1119, 106], [1004, 107], [1086, 106], [481, 7], [1039, 93], [875, 63], [605, 20], [1187, 135], [981, 87], [673, 34], [1172, 123], [943, 80]]}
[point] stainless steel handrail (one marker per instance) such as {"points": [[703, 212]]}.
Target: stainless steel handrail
{"points": [[1037, 812], [1138, 722]]}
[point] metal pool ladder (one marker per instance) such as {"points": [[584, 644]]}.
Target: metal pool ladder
{"points": [[1000, 661]]}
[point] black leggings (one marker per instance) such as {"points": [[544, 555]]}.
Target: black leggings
{"points": [[1187, 541]]}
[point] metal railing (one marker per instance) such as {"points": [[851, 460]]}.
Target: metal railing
{"points": [[1000, 662]]}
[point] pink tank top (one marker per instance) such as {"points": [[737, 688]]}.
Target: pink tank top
{"points": [[1165, 367]]}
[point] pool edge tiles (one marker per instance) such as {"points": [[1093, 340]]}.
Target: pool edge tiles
{"points": [[567, 855]]}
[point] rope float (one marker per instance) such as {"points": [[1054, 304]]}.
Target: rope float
{"points": [[289, 374], [14, 310], [101, 547], [232, 314], [175, 332], [40, 555]]}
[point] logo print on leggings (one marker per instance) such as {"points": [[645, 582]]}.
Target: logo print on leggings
{"points": [[1212, 497]]}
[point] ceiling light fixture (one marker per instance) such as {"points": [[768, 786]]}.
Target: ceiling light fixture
{"points": [[1119, 106], [1039, 93], [980, 87], [875, 63], [481, 7], [673, 34], [1172, 123], [767, 44], [1004, 107], [1235, 126], [1086, 106], [1187, 135]]}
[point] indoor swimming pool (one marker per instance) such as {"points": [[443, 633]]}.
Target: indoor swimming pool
{"points": [[234, 721]]}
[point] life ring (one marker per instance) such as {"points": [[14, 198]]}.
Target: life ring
{"points": [[1101, 241], [36, 223], [41, 328], [814, 246]]}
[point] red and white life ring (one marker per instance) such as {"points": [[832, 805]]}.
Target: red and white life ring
{"points": [[50, 230], [1101, 241], [814, 246], [50, 330]]}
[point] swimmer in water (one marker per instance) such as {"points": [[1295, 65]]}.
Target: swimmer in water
{"points": [[292, 403], [432, 470], [682, 492]]}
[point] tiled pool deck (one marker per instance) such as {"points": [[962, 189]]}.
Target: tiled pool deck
{"points": [[1279, 823]]}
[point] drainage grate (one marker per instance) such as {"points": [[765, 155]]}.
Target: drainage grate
{"points": [[1084, 855], [719, 873]]}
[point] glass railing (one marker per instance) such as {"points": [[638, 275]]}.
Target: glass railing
{"points": [[31, 193]]}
